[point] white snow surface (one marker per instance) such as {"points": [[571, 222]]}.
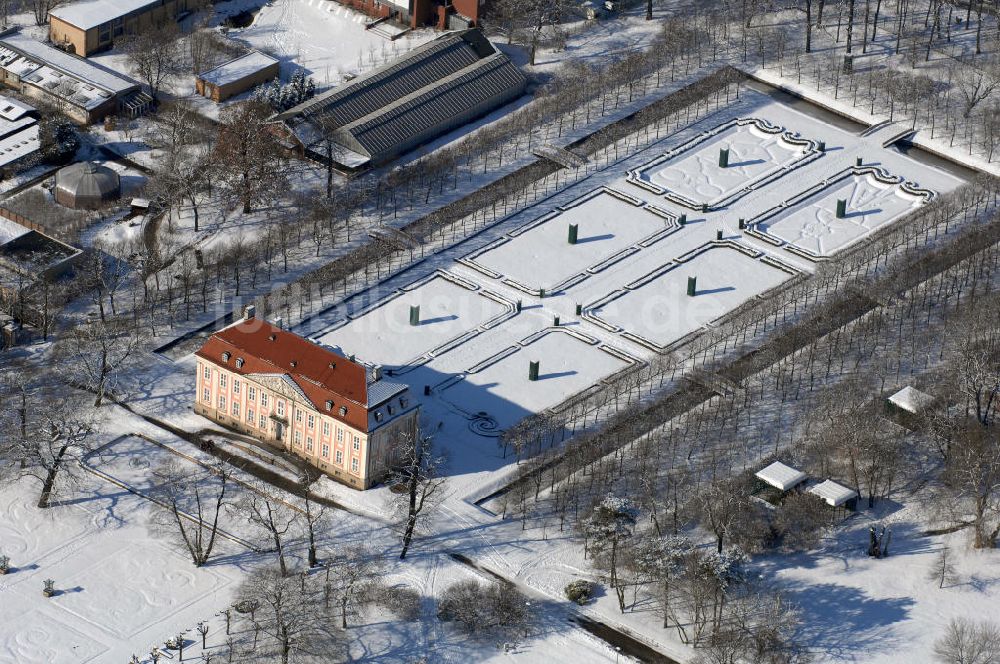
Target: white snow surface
{"points": [[812, 224], [323, 38], [781, 476]]}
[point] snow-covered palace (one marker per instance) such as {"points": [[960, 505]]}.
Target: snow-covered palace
{"points": [[283, 389]]}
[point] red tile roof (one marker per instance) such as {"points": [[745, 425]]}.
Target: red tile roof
{"points": [[321, 374]]}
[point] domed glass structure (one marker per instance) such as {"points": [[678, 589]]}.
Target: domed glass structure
{"points": [[86, 185]]}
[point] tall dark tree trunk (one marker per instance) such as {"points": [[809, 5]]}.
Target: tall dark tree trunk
{"points": [[979, 26], [411, 521], [809, 26], [50, 478], [850, 25]]}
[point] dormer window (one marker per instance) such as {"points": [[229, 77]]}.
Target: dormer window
{"points": [[239, 362], [378, 415], [272, 337], [389, 408], [293, 363], [226, 356], [333, 365], [402, 402], [329, 405], [343, 411]]}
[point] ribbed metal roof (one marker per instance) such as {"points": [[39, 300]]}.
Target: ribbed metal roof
{"points": [[383, 112]]}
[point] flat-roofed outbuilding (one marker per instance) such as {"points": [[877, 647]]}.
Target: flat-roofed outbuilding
{"points": [[85, 91], [236, 76], [781, 476], [93, 25]]}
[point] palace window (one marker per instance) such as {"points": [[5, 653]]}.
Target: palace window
{"points": [[309, 444], [236, 386], [263, 399], [263, 422], [236, 409], [252, 393], [354, 466], [208, 374], [222, 379], [281, 407], [357, 443], [222, 403], [206, 396], [326, 429], [298, 438], [340, 435], [298, 415], [250, 416], [340, 458], [326, 450], [311, 422]]}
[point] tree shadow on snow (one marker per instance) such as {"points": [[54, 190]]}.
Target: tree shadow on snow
{"points": [[840, 621]]}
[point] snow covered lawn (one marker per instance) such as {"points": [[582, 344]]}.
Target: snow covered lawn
{"points": [[499, 386], [540, 256], [811, 224], [324, 38], [117, 590], [691, 174], [657, 309], [449, 309]]}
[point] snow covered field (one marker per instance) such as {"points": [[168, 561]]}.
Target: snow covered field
{"points": [[540, 255], [812, 225], [449, 309], [627, 275], [658, 310], [117, 589], [477, 355], [323, 38], [693, 174], [568, 363]]}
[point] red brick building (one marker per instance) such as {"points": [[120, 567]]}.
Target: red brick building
{"points": [[444, 14], [285, 390]]}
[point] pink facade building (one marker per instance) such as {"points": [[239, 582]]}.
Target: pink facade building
{"points": [[283, 389]]}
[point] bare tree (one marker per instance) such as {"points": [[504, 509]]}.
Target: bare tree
{"points": [[190, 505], [357, 579], [292, 613], [721, 509], [315, 517], [968, 642], [975, 84], [273, 517], [979, 376], [419, 473], [970, 495], [41, 9], [45, 431], [247, 155], [156, 55], [95, 352], [942, 569]]}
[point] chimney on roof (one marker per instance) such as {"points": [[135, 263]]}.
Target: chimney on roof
{"points": [[249, 311], [376, 373], [279, 323]]}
